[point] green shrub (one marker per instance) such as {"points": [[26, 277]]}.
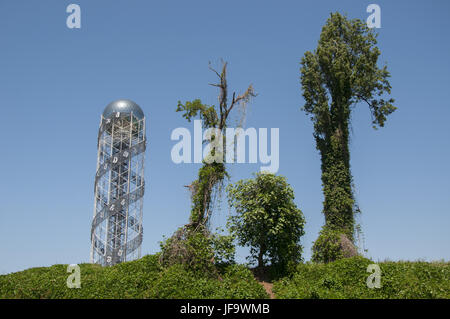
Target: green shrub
{"points": [[197, 249], [235, 281], [346, 278], [190, 247], [224, 249], [238, 282], [267, 220], [143, 278]]}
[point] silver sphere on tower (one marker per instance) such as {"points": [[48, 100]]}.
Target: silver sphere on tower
{"points": [[116, 232]]}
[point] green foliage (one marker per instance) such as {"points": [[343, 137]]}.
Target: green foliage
{"points": [[198, 250], [339, 74], [327, 247], [236, 282], [126, 280], [143, 278], [191, 248], [266, 219], [193, 245], [207, 114], [224, 249], [209, 177], [212, 173], [346, 278], [344, 68]]}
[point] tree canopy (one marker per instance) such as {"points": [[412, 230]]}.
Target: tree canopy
{"points": [[266, 219]]}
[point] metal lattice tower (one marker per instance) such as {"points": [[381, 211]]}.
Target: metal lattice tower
{"points": [[116, 233]]}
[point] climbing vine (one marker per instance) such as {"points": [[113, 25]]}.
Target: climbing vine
{"points": [[213, 172], [211, 175], [338, 75]]}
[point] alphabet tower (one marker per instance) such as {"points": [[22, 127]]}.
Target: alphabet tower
{"points": [[116, 233]]}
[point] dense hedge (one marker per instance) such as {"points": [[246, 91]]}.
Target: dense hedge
{"points": [[346, 278], [143, 278]]}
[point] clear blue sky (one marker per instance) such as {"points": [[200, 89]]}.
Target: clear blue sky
{"points": [[55, 82]]}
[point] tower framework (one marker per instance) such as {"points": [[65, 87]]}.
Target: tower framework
{"points": [[116, 232]]}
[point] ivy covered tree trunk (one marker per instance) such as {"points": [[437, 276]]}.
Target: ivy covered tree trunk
{"points": [[337, 76], [337, 180], [212, 173], [193, 244]]}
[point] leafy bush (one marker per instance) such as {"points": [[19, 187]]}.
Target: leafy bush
{"points": [[143, 278], [178, 282], [267, 220], [224, 249], [346, 278], [332, 245], [190, 248], [197, 249]]}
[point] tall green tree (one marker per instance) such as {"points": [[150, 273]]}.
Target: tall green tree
{"points": [[266, 219], [340, 74]]}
